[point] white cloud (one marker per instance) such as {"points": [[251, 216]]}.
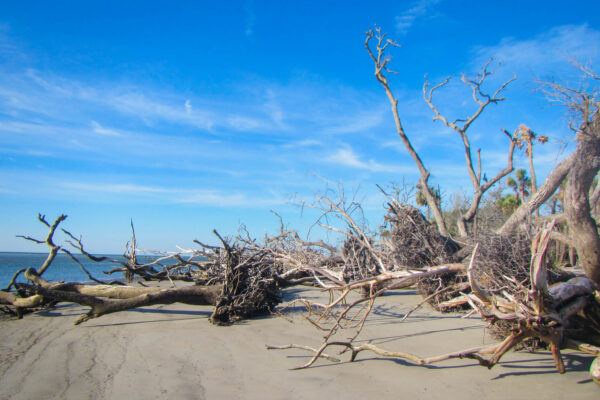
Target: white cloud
{"points": [[302, 143], [545, 53], [359, 122], [206, 197], [347, 157], [157, 111], [213, 198], [26, 152], [273, 108], [419, 9], [99, 129], [242, 123], [121, 188]]}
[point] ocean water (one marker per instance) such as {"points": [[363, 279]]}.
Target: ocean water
{"points": [[62, 268]]}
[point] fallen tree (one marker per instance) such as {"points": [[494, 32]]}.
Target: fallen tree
{"points": [[240, 280], [562, 316], [241, 277], [519, 303]]}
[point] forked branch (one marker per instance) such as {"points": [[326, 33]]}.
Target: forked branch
{"points": [[461, 126], [381, 61]]}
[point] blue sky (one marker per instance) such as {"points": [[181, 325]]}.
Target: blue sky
{"points": [[197, 115]]}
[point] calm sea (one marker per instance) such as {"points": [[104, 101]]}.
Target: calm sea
{"points": [[63, 268]]}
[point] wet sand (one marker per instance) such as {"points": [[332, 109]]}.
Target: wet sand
{"points": [[173, 352]]}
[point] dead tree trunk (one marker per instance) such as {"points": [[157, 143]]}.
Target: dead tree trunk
{"points": [[544, 192], [582, 225], [195, 295], [380, 66], [104, 291], [461, 126]]}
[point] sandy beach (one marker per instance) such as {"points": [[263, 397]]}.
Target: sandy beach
{"points": [[173, 352]]}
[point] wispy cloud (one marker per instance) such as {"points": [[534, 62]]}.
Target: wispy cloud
{"points": [[249, 19], [419, 9], [273, 109], [26, 152], [546, 53], [172, 195], [122, 188], [219, 199], [347, 157], [153, 111], [301, 143], [99, 129], [32, 92], [359, 122], [242, 123]]}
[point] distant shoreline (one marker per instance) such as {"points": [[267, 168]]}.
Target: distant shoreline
{"points": [[45, 252]]}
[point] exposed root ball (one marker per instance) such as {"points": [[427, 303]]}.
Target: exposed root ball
{"points": [[448, 287], [502, 262], [248, 288], [359, 262], [417, 243], [501, 257], [414, 241]]}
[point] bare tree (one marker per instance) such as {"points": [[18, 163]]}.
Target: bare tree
{"points": [[461, 126], [381, 61], [521, 308]]}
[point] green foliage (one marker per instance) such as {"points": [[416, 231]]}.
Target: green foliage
{"points": [[508, 204], [422, 200], [457, 208], [521, 185], [490, 216]]}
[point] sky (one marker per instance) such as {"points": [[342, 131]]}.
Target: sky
{"points": [[189, 116]]}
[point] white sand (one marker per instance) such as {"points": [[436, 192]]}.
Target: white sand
{"points": [[172, 352]]}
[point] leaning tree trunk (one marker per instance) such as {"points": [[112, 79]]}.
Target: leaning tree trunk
{"points": [[582, 225], [543, 193], [381, 66]]}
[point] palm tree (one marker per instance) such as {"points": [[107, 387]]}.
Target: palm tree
{"points": [[521, 185], [422, 200], [557, 199], [525, 137]]}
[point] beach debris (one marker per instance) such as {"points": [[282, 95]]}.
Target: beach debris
{"points": [[560, 316], [238, 278]]}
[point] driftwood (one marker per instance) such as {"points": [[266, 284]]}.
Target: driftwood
{"points": [[239, 278], [195, 295], [558, 316]]}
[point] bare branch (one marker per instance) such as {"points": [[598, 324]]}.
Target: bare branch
{"points": [[423, 182], [483, 100], [54, 249]]}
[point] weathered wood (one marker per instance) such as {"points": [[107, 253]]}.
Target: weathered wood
{"points": [[381, 66], [195, 295], [542, 194], [104, 291], [577, 205], [565, 291]]}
